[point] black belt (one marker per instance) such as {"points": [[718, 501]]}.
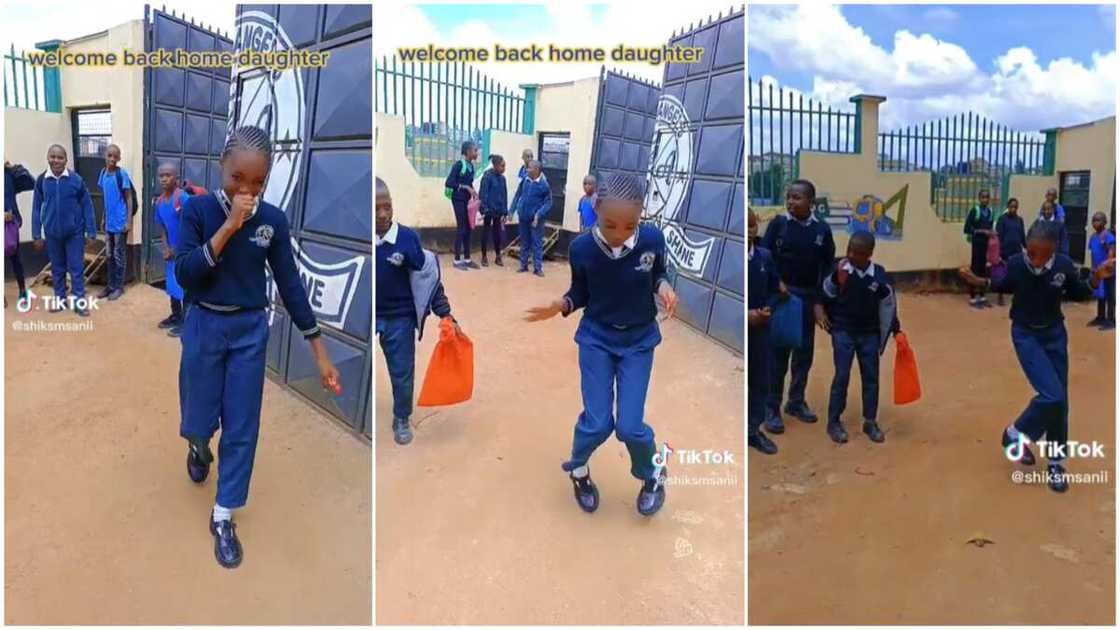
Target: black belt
{"points": [[223, 309]]}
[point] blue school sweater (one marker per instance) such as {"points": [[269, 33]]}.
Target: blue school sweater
{"points": [[236, 278], [462, 174], [533, 199], [617, 292], [1012, 235], [1037, 301], [15, 182], [492, 193], [804, 252], [762, 278], [395, 263], [61, 207], [854, 308]]}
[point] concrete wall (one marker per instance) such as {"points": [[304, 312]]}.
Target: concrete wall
{"points": [[119, 88], [923, 241], [27, 134], [418, 202], [570, 107]]}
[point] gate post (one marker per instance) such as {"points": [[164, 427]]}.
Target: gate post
{"points": [[867, 123], [528, 118], [1049, 151], [52, 84]]}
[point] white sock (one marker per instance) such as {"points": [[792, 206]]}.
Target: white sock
{"points": [[222, 514], [580, 472]]}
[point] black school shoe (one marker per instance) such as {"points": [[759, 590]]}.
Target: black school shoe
{"points": [[1096, 321], [1028, 457], [402, 434], [198, 461], [587, 494], [801, 411], [837, 433], [104, 293], [1108, 325], [227, 548], [773, 422], [871, 428], [652, 495], [168, 322], [1056, 477], [759, 441]]}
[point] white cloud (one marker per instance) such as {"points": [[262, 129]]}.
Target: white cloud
{"points": [[925, 78]]}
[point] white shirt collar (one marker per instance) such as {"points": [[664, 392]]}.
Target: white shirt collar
{"points": [[750, 252], [806, 222], [1053, 217], [616, 252], [65, 173], [863, 273], [390, 236]]}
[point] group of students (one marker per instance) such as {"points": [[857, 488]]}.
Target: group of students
{"points": [[618, 277], [216, 248], [531, 203], [994, 239], [845, 298]]}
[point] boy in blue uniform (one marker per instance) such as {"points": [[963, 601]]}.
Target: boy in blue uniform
{"points": [[618, 269], [408, 290], [16, 180], [460, 185], [1039, 280], [226, 239], [587, 204], [63, 209], [1102, 248], [1012, 234], [979, 226], [804, 251], [526, 157], [167, 207], [532, 201], [1048, 214], [493, 195], [116, 190], [853, 294], [763, 284]]}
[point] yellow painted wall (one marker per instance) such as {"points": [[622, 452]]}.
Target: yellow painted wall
{"points": [[928, 242], [418, 202], [27, 134], [570, 107], [120, 88]]}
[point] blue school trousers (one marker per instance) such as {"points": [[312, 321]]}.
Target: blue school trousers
{"points": [[796, 361], [1044, 355], [115, 249], [66, 254], [397, 336], [865, 348], [221, 380], [531, 238], [760, 356], [462, 228], [611, 359]]}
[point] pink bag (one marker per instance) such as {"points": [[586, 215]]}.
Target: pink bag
{"points": [[473, 207]]}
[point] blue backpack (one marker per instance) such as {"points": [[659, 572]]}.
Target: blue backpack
{"points": [[785, 322]]}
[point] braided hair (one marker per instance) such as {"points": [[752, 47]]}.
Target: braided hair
{"points": [[249, 138], [621, 187]]}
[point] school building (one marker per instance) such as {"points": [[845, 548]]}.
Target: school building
{"points": [[683, 135], [321, 121], [913, 187]]}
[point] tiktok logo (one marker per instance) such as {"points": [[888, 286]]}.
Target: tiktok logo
{"points": [[661, 457], [1014, 451]]}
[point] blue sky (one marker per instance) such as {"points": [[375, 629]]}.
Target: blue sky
{"points": [[1032, 66]]}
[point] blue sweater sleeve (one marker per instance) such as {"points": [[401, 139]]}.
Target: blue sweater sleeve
{"points": [[37, 211], [577, 295], [660, 270], [286, 276], [86, 202], [546, 205], [194, 259]]}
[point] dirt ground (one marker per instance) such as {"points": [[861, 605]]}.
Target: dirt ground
{"points": [[476, 522], [104, 527], [869, 533]]}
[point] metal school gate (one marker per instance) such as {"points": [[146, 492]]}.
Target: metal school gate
{"points": [[321, 121], [687, 139]]}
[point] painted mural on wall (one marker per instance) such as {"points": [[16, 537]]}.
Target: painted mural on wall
{"points": [[866, 213]]}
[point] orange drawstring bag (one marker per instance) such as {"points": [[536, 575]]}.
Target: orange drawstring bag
{"points": [[450, 376], [907, 387]]}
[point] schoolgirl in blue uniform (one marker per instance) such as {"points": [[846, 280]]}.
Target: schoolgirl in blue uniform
{"points": [[492, 192], [226, 239], [1102, 247], [618, 269], [804, 250], [532, 201], [763, 284], [979, 226], [167, 207], [460, 183], [1039, 280], [63, 209]]}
